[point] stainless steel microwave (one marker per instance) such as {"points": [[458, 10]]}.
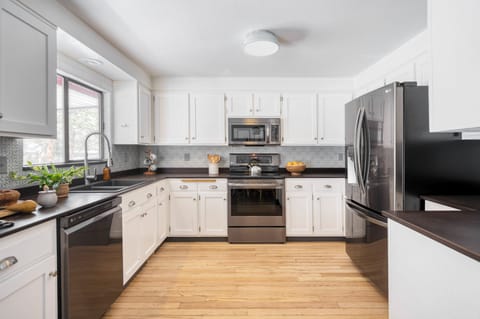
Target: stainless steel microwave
{"points": [[254, 131]]}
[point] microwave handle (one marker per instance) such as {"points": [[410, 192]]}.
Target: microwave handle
{"points": [[267, 134]]}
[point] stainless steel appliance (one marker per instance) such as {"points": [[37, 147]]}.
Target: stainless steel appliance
{"points": [[256, 211], [91, 260], [254, 131], [391, 158]]}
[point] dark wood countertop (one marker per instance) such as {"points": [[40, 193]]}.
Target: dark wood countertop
{"points": [[459, 230], [461, 202]]}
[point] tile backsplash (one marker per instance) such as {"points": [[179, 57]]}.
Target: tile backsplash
{"points": [[124, 157], [196, 156]]}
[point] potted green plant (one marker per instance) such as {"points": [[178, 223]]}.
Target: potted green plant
{"points": [[50, 180]]}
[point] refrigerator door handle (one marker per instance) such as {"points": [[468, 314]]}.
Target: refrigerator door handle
{"points": [[355, 148], [360, 212], [366, 157], [358, 149]]}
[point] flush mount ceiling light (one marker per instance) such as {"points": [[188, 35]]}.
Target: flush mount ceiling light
{"points": [[91, 61], [260, 43]]}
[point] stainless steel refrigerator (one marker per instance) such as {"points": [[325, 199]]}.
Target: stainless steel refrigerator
{"points": [[391, 159]]}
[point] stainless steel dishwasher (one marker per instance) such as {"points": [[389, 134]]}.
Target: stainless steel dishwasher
{"points": [[91, 260]]}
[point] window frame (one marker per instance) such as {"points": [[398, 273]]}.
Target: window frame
{"points": [[66, 116]]}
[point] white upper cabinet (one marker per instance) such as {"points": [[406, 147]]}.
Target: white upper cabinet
{"points": [[454, 47], [171, 118], [132, 113], [331, 118], [239, 104], [256, 104], [28, 55], [145, 114], [299, 119], [207, 119]]}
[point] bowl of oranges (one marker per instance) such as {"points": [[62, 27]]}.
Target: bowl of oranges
{"points": [[296, 168]]}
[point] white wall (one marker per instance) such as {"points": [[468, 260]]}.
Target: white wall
{"points": [[409, 62], [254, 83], [66, 20]]}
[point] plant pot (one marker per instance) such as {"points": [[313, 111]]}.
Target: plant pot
{"points": [[63, 190], [47, 198]]}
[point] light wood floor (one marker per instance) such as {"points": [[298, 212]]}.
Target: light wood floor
{"points": [[220, 280]]}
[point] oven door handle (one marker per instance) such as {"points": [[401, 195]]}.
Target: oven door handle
{"points": [[255, 186]]}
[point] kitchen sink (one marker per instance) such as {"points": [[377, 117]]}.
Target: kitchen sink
{"points": [[111, 186]]}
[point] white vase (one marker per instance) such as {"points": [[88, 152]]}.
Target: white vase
{"points": [[47, 198], [213, 169]]}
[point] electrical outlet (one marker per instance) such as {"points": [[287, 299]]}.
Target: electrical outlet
{"points": [[186, 157], [3, 165]]}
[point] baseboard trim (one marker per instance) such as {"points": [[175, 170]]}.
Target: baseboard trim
{"points": [[307, 239], [197, 239]]}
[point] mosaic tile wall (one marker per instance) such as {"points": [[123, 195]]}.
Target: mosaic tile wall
{"points": [[124, 157], [313, 156]]}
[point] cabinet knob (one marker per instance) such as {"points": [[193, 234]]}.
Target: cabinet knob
{"points": [[213, 187], [162, 189], [318, 198], [1, 115], [321, 138], [160, 204], [194, 138], [251, 110], [8, 262], [149, 195], [257, 110], [142, 136], [288, 198], [186, 138], [183, 186], [131, 203], [298, 186], [53, 274], [328, 186], [315, 138], [194, 199]]}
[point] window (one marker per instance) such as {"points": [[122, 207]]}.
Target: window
{"points": [[79, 113]]}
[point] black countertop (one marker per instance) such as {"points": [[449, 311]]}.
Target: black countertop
{"points": [[77, 201], [459, 230], [461, 202]]}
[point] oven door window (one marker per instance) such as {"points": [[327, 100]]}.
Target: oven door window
{"points": [[256, 202], [248, 133]]}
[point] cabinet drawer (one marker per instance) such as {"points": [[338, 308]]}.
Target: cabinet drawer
{"points": [[298, 185], [27, 247], [182, 185], [138, 197], [329, 184], [219, 185]]}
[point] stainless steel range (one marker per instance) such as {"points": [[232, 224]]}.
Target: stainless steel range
{"points": [[256, 212]]}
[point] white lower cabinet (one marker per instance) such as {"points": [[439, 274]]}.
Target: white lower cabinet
{"points": [[183, 214], [212, 213], [28, 288], [139, 228], [163, 211], [315, 207], [198, 208]]}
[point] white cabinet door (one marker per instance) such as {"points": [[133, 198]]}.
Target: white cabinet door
{"points": [[239, 104], [299, 113], [267, 104], [125, 112], [131, 242], [183, 214], [28, 55], [31, 293], [148, 230], [213, 213], [162, 220], [331, 119], [145, 113], [454, 47], [299, 214], [207, 122], [328, 214], [171, 119]]}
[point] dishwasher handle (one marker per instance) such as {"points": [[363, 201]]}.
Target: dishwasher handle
{"points": [[92, 220]]}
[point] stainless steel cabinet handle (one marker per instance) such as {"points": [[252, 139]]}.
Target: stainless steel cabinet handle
{"points": [[193, 138], [186, 138], [318, 198], [131, 203], [142, 136], [162, 189], [213, 187], [1, 115], [315, 138], [328, 186], [183, 186], [224, 199], [251, 110], [8, 262], [53, 274], [160, 204], [288, 198], [149, 195], [194, 199], [298, 186], [257, 110]]}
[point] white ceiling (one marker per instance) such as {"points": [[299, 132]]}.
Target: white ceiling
{"points": [[321, 38]]}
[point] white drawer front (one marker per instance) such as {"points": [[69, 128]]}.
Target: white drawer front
{"points": [[138, 197], [219, 185], [298, 185], [27, 247], [329, 184], [183, 185]]}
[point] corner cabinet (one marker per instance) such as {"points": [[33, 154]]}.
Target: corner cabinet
{"points": [[28, 55], [315, 207], [454, 48], [132, 113], [28, 286]]}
